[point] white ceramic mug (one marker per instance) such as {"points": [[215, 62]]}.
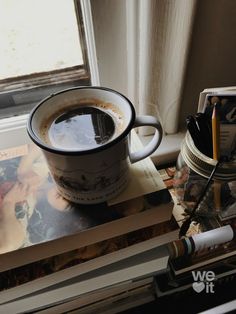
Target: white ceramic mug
{"points": [[96, 174]]}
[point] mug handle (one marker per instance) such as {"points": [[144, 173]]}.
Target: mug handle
{"points": [[155, 141]]}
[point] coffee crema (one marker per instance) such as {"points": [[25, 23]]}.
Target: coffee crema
{"points": [[84, 126]]}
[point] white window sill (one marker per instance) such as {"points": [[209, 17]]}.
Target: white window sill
{"points": [[168, 150], [13, 133]]}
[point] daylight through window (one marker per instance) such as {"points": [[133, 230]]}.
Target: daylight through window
{"points": [[42, 51]]}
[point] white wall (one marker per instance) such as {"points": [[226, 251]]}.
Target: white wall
{"points": [[212, 59]]}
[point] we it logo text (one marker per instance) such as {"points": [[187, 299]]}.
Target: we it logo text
{"points": [[203, 281]]}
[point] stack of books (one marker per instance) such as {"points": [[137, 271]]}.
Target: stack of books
{"points": [[57, 256]]}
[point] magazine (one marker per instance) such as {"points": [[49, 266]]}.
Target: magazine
{"points": [[36, 222]]}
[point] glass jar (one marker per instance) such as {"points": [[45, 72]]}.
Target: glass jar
{"points": [[192, 172]]}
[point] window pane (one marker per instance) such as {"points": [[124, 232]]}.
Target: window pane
{"points": [[42, 51], [38, 36]]}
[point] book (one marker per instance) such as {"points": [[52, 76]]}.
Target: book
{"points": [[114, 297], [213, 90], [37, 223], [135, 268], [225, 97], [24, 280]]}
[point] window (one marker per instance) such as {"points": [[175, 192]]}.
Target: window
{"points": [[43, 50], [115, 56]]}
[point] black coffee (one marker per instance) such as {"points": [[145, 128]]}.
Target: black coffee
{"points": [[81, 128]]}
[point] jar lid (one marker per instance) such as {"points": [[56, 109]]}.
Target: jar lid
{"points": [[204, 165]]}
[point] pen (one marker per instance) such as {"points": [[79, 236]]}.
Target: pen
{"points": [[216, 152], [194, 132], [204, 126]]}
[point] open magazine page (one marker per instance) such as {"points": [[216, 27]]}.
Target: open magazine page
{"points": [[32, 211]]}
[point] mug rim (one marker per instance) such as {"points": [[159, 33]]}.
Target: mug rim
{"points": [[60, 151]]}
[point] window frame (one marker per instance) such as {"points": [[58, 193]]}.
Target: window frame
{"points": [[18, 121], [20, 94]]}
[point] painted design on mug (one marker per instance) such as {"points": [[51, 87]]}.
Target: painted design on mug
{"points": [[95, 196], [85, 183]]}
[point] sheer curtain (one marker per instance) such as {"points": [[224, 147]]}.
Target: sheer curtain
{"points": [[165, 29], [142, 51], [163, 53]]}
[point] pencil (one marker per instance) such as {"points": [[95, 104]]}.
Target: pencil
{"points": [[216, 152]]}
